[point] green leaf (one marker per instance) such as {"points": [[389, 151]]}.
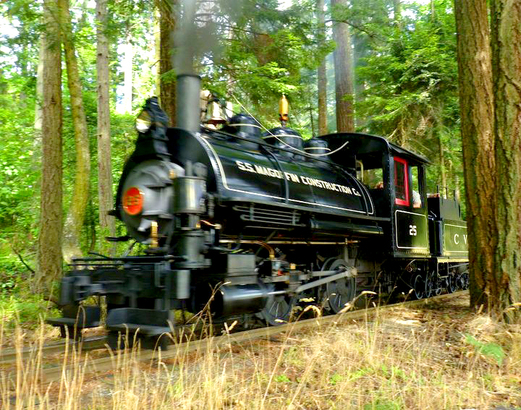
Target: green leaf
{"points": [[489, 350]]}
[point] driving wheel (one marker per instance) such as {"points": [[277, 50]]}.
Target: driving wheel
{"points": [[339, 292]]}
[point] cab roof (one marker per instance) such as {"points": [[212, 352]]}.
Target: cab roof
{"points": [[360, 143]]}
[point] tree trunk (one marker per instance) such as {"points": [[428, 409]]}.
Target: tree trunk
{"points": [[157, 49], [107, 223], [505, 286], [397, 10], [50, 233], [128, 72], [343, 57], [38, 107], [477, 133], [322, 75], [80, 196], [443, 176], [167, 84]]}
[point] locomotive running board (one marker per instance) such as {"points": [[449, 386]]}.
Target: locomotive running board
{"points": [[348, 273]]}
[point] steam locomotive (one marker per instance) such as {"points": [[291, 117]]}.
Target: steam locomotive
{"points": [[257, 221]]}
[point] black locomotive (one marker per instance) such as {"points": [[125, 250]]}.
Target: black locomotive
{"points": [[256, 221]]}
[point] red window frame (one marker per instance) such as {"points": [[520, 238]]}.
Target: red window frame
{"points": [[399, 201]]}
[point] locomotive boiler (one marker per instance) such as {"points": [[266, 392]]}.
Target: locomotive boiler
{"points": [[256, 220]]}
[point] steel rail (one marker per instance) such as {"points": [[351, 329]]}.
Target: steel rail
{"points": [[10, 356]]}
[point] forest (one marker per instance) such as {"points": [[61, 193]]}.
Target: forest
{"points": [[384, 67], [440, 78]]}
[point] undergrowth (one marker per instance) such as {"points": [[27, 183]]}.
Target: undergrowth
{"points": [[18, 304], [449, 358]]}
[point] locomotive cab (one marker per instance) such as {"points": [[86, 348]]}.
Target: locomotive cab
{"points": [[395, 178], [410, 228]]}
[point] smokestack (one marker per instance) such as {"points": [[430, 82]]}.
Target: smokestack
{"points": [[188, 105]]}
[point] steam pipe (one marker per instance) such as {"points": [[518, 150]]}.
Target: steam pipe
{"points": [[188, 105]]}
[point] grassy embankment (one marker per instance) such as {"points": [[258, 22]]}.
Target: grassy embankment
{"points": [[445, 357]]}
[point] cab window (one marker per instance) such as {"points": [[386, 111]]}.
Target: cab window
{"points": [[416, 187], [401, 182]]}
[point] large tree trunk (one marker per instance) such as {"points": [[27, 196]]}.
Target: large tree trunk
{"points": [[344, 88], [50, 233], [322, 75], [38, 107], [397, 10], [505, 286], [80, 196], [157, 52], [128, 72], [107, 223], [167, 84], [477, 133]]}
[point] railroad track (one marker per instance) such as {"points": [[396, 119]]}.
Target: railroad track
{"points": [[10, 356], [108, 363]]}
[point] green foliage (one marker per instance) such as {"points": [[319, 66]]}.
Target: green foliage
{"points": [[254, 52], [335, 378], [269, 52], [27, 310], [18, 305], [282, 379], [383, 405], [407, 71], [491, 351], [19, 157], [11, 273]]}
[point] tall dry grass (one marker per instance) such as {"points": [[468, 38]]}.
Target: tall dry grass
{"points": [[408, 359]]}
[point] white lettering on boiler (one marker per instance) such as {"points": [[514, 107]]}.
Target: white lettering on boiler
{"points": [[259, 169]]}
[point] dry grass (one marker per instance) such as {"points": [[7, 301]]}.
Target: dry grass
{"points": [[439, 358]]}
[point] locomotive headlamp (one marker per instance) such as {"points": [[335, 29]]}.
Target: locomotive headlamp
{"points": [[133, 201], [143, 122]]}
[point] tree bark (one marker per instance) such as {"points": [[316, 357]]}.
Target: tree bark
{"points": [[50, 232], [38, 107], [167, 82], [443, 176], [505, 286], [157, 49], [397, 10], [322, 75], [128, 72], [80, 197], [343, 57], [107, 223], [477, 133]]}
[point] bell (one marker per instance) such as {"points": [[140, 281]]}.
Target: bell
{"points": [[214, 115]]}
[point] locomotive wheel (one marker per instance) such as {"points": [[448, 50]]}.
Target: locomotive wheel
{"points": [[463, 281], [340, 292], [433, 285], [418, 286], [438, 287], [430, 285], [277, 310], [452, 283]]}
